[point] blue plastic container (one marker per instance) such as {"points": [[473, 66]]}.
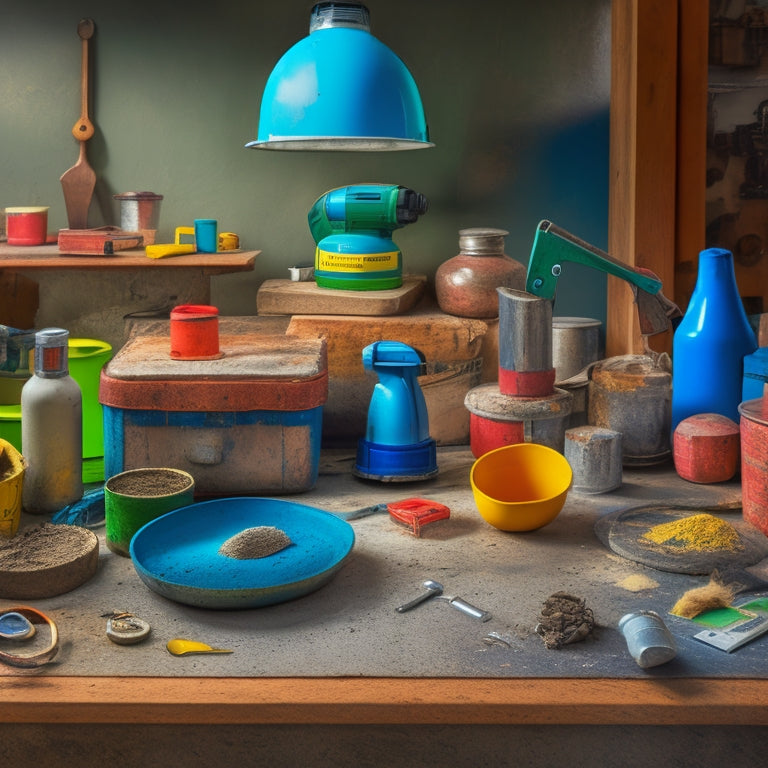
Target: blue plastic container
{"points": [[710, 344]]}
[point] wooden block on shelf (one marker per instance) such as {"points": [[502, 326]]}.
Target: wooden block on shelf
{"points": [[101, 241], [289, 297]]}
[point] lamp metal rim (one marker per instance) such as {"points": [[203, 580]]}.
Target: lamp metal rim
{"points": [[339, 143]]}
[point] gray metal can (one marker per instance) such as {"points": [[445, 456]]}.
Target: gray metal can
{"points": [[649, 641]]}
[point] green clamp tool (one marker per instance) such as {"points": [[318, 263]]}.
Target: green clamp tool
{"points": [[553, 245]]}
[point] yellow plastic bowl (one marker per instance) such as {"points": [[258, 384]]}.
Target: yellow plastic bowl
{"points": [[12, 467], [520, 487]]}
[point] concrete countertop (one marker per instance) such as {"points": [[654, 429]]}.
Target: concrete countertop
{"points": [[350, 627]]}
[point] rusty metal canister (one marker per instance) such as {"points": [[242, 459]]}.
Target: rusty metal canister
{"points": [[632, 394], [754, 462], [706, 448], [497, 419], [595, 456]]}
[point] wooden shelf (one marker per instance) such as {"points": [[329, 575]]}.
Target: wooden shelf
{"points": [[47, 257]]}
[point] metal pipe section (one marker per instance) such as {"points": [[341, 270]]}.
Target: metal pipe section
{"points": [[525, 344]]}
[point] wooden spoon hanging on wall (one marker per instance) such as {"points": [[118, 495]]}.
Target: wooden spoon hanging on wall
{"points": [[79, 181]]}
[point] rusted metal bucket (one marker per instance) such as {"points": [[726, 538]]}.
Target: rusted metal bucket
{"points": [[632, 394]]}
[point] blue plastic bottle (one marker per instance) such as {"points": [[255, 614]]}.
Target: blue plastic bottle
{"points": [[397, 445], [710, 344]]}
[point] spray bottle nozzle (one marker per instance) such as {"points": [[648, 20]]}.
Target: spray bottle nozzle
{"points": [[391, 354]]}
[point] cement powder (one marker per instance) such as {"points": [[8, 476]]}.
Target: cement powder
{"points": [[252, 543]]}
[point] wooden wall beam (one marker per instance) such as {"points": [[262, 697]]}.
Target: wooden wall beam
{"points": [[643, 158], [693, 81]]}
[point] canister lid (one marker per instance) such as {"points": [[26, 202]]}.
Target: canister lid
{"points": [[755, 410], [17, 209], [482, 240], [488, 402], [51, 353], [138, 196], [255, 372], [566, 323], [631, 371]]}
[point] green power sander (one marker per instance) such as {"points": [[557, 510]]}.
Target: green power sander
{"points": [[352, 227]]}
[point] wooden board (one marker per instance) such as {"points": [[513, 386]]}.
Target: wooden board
{"points": [[289, 297], [102, 241], [47, 257], [643, 143]]}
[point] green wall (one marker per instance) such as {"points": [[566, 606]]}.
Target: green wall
{"points": [[516, 95]]}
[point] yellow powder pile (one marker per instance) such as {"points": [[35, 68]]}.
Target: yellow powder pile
{"points": [[698, 533], [637, 583]]}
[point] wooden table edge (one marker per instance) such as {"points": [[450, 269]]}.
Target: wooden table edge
{"points": [[28, 697]]}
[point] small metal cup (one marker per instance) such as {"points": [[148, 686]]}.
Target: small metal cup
{"points": [[649, 641], [139, 212]]}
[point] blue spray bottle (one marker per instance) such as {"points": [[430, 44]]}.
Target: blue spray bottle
{"points": [[397, 446], [710, 344]]}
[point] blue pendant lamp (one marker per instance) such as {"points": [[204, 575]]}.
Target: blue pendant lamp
{"points": [[341, 89]]}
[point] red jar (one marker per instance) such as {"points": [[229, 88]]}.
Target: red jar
{"points": [[195, 332], [466, 284], [27, 225]]}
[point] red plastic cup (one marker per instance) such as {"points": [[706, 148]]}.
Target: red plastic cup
{"points": [[195, 332]]}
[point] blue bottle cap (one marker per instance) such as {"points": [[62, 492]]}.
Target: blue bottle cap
{"points": [[396, 463]]}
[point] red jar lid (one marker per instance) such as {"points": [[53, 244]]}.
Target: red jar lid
{"points": [[755, 410]]}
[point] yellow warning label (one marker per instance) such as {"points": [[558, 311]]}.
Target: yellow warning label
{"points": [[356, 262]]}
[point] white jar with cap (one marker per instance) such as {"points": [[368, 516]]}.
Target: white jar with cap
{"points": [[51, 427]]}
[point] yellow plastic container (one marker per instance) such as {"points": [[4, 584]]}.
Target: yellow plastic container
{"points": [[520, 487], [12, 467]]}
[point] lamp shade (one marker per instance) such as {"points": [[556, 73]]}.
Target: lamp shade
{"points": [[340, 88]]}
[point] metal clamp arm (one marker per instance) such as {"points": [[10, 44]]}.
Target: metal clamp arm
{"points": [[553, 245]]}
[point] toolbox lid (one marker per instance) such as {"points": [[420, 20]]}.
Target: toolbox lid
{"points": [[255, 372]]}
